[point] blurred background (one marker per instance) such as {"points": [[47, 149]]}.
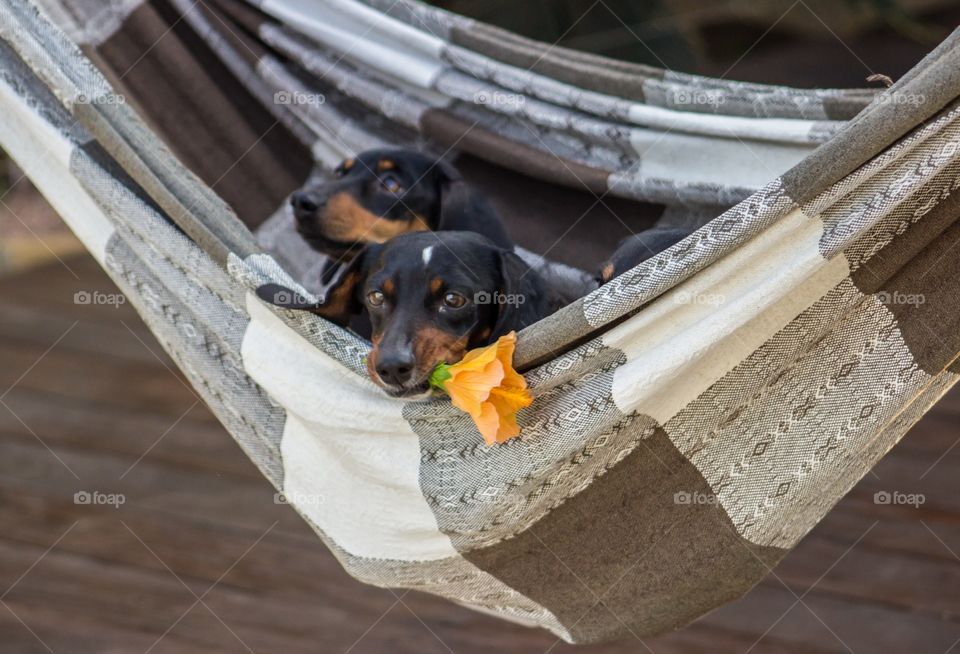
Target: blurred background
{"points": [[175, 568]]}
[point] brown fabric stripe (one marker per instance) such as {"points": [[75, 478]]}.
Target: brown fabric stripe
{"points": [[918, 277], [568, 66], [204, 113], [451, 131], [936, 80], [625, 553]]}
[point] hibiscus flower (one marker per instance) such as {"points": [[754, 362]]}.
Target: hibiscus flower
{"points": [[485, 385]]}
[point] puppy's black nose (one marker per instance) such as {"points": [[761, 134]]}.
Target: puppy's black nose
{"points": [[395, 368], [304, 203]]}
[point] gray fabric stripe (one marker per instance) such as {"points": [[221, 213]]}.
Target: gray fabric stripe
{"points": [[433, 20], [188, 301], [41, 100], [391, 102], [330, 125], [893, 197], [482, 495]]}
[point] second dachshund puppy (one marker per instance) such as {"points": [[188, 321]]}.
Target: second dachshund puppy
{"points": [[431, 298], [383, 193], [636, 248]]}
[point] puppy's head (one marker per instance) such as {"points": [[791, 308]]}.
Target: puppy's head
{"points": [[375, 196], [637, 248], [430, 298]]}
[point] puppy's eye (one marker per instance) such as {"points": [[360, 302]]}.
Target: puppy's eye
{"points": [[454, 300], [391, 183], [375, 298]]}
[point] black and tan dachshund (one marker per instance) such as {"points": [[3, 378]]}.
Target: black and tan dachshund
{"points": [[380, 194], [431, 297], [637, 248]]}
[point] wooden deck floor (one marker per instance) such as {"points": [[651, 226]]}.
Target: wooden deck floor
{"points": [[199, 559]]}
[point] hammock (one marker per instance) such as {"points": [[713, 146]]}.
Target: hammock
{"points": [[694, 418]]}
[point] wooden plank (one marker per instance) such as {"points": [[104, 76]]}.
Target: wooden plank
{"points": [[195, 441], [833, 623], [137, 385], [28, 467], [39, 327], [78, 635], [867, 573], [54, 288]]}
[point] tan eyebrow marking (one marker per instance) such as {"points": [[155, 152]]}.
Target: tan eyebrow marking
{"points": [[388, 285], [436, 284], [385, 164], [347, 164]]}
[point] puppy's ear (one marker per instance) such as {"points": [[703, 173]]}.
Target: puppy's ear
{"points": [[454, 197], [342, 298], [524, 299]]}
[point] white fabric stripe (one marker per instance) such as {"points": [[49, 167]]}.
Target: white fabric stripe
{"points": [[696, 333], [769, 129], [363, 34], [43, 153], [691, 159], [351, 462]]}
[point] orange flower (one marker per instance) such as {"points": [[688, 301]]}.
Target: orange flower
{"points": [[485, 385]]}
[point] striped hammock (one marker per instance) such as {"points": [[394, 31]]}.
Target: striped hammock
{"points": [[694, 418]]}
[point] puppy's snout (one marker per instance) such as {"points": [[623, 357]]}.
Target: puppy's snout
{"points": [[304, 204], [396, 368]]}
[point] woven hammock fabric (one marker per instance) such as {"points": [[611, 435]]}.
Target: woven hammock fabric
{"points": [[693, 419]]}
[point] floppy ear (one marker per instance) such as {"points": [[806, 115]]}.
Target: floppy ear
{"points": [[524, 300], [454, 194], [342, 298]]}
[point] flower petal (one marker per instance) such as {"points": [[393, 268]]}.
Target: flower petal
{"points": [[488, 423], [468, 388]]}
